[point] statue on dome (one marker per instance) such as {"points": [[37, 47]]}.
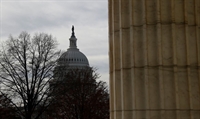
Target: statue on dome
{"points": [[72, 28], [73, 31]]}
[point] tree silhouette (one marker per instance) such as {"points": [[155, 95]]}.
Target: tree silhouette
{"points": [[26, 66], [80, 97]]}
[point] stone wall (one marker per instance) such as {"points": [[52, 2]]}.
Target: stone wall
{"points": [[154, 50]]}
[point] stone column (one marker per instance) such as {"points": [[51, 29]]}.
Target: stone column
{"points": [[154, 49]]}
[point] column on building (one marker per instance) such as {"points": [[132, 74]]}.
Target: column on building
{"points": [[154, 50]]}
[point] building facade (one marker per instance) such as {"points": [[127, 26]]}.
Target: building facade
{"points": [[154, 51]]}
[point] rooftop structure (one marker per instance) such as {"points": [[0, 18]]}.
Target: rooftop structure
{"points": [[73, 57]]}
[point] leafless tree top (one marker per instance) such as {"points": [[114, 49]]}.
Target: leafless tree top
{"points": [[27, 66]]}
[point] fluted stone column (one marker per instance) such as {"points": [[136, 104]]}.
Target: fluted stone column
{"points": [[154, 49]]}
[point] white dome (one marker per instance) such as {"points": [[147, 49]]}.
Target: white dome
{"points": [[73, 57]]}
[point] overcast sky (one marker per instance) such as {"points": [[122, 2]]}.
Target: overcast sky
{"points": [[90, 18]]}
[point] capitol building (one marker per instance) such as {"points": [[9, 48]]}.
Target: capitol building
{"points": [[73, 57]]}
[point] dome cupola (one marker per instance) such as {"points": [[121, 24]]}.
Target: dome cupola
{"points": [[73, 57]]}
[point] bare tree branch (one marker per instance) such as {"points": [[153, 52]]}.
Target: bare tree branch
{"points": [[27, 66]]}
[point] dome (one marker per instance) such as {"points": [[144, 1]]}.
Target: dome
{"points": [[73, 57]]}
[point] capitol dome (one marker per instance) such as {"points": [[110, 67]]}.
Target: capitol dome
{"points": [[73, 57]]}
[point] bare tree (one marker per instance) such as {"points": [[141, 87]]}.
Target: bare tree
{"points": [[81, 96], [26, 68]]}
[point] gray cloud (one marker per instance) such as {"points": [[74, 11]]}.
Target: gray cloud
{"points": [[38, 15]]}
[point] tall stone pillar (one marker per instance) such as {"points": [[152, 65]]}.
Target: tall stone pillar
{"points": [[154, 50]]}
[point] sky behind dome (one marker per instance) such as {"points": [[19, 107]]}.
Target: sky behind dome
{"points": [[56, 17]]}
